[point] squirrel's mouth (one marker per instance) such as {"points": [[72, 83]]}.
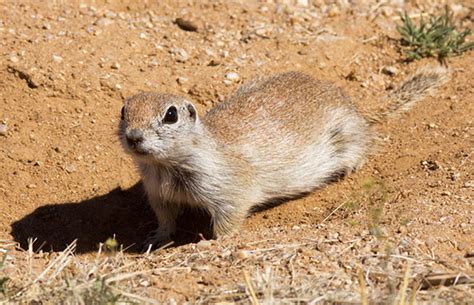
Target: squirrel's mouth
{"points": [[138, 149]]}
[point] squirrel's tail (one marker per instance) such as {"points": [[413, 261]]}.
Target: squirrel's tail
{"points": [[413, 89]]}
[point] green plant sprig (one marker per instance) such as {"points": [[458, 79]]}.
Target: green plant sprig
{"points": [[436, 38]]}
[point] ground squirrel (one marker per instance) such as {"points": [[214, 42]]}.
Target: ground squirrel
{"points": [[277, 137]]}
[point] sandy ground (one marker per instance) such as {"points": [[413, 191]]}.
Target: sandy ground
{"points": [[65, 69]]}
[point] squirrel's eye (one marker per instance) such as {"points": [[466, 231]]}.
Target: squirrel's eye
{"points": [[171, 115], [123, 114]]}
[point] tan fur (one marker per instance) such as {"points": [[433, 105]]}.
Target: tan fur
{"points": [[277, 137]]}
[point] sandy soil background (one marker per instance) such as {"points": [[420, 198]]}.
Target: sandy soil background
{"points": [[64, 71]]}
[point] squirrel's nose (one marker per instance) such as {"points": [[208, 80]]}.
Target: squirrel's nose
{"points": [[134, 136]]}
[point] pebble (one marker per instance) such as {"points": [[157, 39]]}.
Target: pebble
{"points": [[429, 242], [14, 59], [181, 54], [103, 22], [468, 184], [57, 58], [404, 243], [232, 76], [46, 26], [70, 168], [182, 80], [31, 186], [115, 66], [242, 254], [430, 165], [3, 130], [213, 63], [387, 11], [186, 25], [303, 3], [204, 244], [390, 70], [446, 193], [333, 11]]}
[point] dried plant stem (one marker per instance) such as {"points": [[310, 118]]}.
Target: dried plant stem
{"points": [[253, 296], [363, 292], [403, 289]]}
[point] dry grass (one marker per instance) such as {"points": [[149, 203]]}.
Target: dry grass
{"points": [[273, 275]]}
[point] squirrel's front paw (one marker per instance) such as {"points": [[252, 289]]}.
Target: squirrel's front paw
{"points": [[156, 238]]}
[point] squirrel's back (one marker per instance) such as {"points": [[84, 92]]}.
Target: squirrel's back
{"points": [[296, 132]]}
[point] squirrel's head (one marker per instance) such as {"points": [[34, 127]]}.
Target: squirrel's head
{"points": [[155, 126]]}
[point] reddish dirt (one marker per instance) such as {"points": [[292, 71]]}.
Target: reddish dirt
{"points": [[64, 71]]}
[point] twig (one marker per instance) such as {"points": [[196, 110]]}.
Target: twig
{"points": [[363, 293], [403, 289], [134, 296], [413, 293], [334, 211], [250, 288]]}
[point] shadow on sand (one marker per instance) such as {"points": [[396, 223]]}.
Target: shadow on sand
{"points": [[124, 214]]}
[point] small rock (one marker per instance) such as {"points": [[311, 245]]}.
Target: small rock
{"points": [[430, 165], [242, 254], [70, 168], [468, 184], [402, 230], [142, 35], [46, 26], [204, 244], [334, 11], [429, 242], [153, 63], [182, 80], [213, 63], [103, 22], [404, 243], [31, 186], [186, 25], [3, 130], [445, 193], [181, 54], [453, 176], [232, 76], [296, 228], [387, 11], [390, 70], [57, 58], [303, 3], [115, 66], [14, 59], [110, 14], [459, 10]]}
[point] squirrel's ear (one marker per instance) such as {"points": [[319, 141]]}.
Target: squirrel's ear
{"points": [[192, 111]]}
